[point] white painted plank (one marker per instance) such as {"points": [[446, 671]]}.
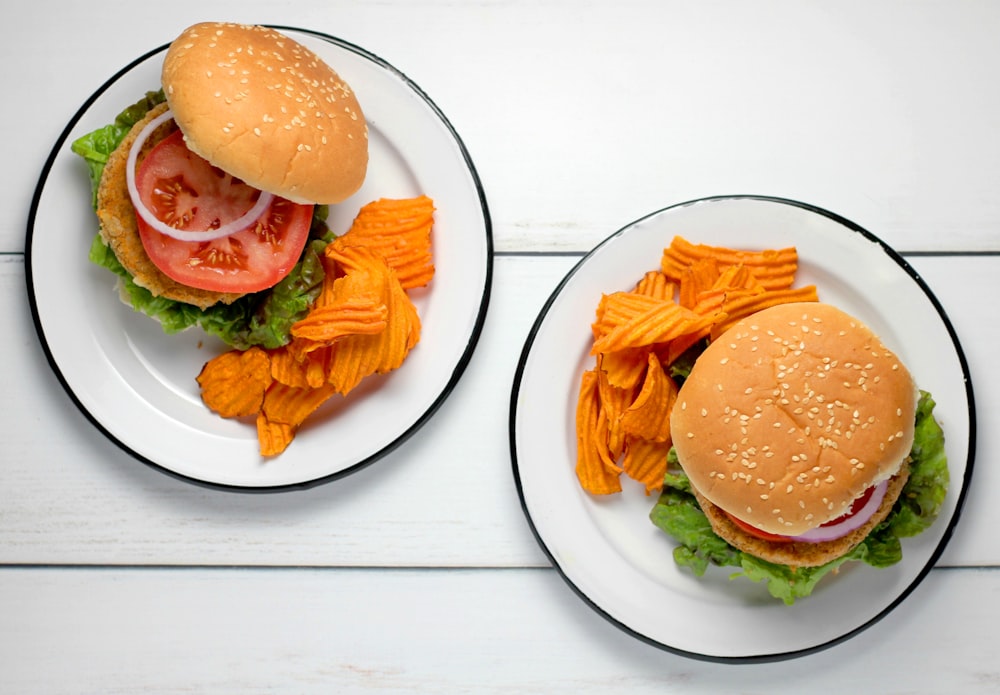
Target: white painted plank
{"points": [[581, 121], [446, 498], [439, 631]]}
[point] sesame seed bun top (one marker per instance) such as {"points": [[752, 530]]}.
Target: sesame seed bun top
{"points": [[267, 110], [792, 414]]}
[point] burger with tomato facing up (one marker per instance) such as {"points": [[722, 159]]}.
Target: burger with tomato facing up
{"points": [[210, 191], [800, 441]]}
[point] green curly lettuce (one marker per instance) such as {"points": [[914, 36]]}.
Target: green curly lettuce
{"points": [[261, 318], [677, 513]]}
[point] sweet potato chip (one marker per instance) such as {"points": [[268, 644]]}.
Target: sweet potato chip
{"points": [[615, 401], [233, 383], [363, 322], [773, 268], [739, 306], [618, 308], [701, 275], [638, 335], [288, 368], [363, 313], [656, 285], [359, 355], [273, 437], [291, 405], [400, 231], [595, 468], [624, 369], [646, 461], [737, 277], [659, 324], [648, 416]]}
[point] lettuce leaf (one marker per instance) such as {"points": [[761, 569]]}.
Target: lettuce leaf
{"points": [[97, 146], [677, 513], [262, 318]]}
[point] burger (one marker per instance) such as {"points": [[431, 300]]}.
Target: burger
{"points": [[210, 190], [800, 441]]}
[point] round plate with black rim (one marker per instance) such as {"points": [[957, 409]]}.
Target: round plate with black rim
{"points": [[607, 549], [137, 385]]}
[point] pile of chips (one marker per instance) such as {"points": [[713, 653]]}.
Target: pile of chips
{"points": [[363, 323], [624, 403]]}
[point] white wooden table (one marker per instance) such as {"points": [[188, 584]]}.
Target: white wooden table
{"points": [[419, 573]]}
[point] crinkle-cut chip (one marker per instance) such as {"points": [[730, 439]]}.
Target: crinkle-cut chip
{"points": [[233, 383], [273, 437], [739, 306], [678, 346], [329, 288], [701, 275], [717, 299], [287, 367], [618, 308], [351, 360], [400, 231], [363, 322], [615, 401], [624, 369], [656, 285], [317, 366], [595, 469], [714, 302], [358, 356], [363, 313], [648, 416], [773, 268], [637, 335], [301, 348], [737, 277], [291, 405], [659, 324], [352, 258], [646, 462]]}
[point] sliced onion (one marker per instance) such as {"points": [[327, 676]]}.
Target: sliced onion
{"points": [[851, 523], [239, 224]]}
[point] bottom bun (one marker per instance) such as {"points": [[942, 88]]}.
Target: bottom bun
{"points": [[801, 553]]}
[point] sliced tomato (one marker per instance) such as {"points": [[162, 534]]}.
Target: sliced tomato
{"points": [[185, 191], [754, 531], [856, 506]]}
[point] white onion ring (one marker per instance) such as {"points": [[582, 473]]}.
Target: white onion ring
{"points": [[851, 523], [239, 224]]}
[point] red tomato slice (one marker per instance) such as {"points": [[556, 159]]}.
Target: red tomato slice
{"points": [[187, 192], [856, 506], [754, 531]]}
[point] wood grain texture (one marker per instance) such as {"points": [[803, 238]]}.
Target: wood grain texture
{"points": [[419, 574], [581, 120], [435, 631], [446, 498]]}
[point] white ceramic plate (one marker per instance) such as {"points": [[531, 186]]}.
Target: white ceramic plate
{"points": [[608, 550], [138, 385]]}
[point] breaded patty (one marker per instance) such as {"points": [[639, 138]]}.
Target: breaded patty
{"points": [[800, 553], [120, 230]]}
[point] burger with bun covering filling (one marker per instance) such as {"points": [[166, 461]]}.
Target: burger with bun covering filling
{"points": [[212, 191], [800, 441]]}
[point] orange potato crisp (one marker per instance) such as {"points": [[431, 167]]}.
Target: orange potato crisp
{"points": [[624, 404], [362, 323]]}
